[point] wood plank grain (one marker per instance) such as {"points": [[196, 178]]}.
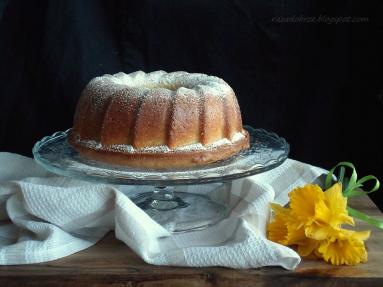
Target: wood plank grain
{"points": [[112, 263]]}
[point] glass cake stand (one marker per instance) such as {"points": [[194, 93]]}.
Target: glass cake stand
{"points": [[167, 199]]}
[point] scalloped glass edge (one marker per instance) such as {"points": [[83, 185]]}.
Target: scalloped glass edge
{"points": [[68, 162]]}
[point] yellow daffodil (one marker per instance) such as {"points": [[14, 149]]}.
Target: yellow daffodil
{"points": [[277, 229], [307, 246], [347, 248], [313, 222], [303, 201], [285, 228], [330, 213], [333, 210]]}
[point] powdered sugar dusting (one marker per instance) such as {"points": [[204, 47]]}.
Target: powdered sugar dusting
{"points": [[156, 149], [125, 148], [237, 137], [191, 147], [160, 80]]}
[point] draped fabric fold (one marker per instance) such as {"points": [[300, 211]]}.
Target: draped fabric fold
{"points": [[45, 217]]}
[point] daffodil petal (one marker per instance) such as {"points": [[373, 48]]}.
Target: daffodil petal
{"points": [[305, 248], [295, 232], [346, 249], [346, 219], [322, 212], [333, 209], [303, 200], [335, 200], [359, 235], [318, 231], [362, 235], [278, 209], [277, 229]]}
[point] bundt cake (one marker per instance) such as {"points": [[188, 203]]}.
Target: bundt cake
{"points": [[158, 120]]}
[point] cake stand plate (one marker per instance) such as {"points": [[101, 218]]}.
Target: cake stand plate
{"points": [[189, 211]]}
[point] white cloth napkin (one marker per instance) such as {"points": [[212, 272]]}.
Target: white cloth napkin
{"points": [[44, 217]]}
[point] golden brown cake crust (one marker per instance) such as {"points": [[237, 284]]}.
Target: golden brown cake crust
{"points": [[158, 120], [166, 160]]}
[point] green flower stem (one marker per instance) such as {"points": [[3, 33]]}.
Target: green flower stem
{"points": [[366, 218], [353, 187]]}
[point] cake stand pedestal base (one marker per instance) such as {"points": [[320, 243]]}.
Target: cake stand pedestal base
{"points": [[179, 211]]}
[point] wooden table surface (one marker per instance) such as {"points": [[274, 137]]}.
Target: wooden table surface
{"points": [[112, 263]]}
